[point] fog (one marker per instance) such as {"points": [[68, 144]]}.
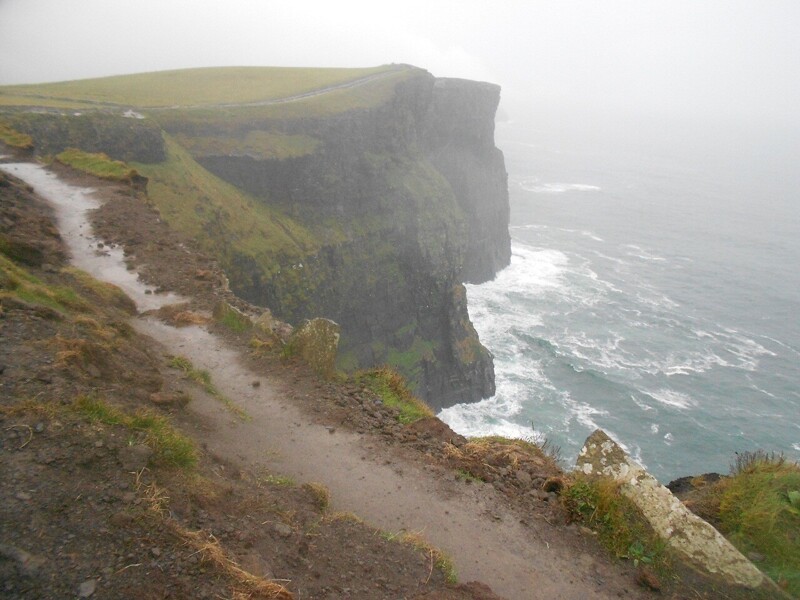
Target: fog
{"points": [[720, 59]]}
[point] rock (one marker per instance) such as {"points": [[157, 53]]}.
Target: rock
{"points": [[523, 477], [316, 342], [122, 519], [169, 399], [435, 428], [27, 564], [135, 458], [87, 588], [283, 530], [539, 495], [697, 542], [647, 579]]}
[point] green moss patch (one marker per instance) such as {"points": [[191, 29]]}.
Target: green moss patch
{"points": [[16, 282], [97, 164], [14, 138], [225, 221], [393, 391], [261, 145]]}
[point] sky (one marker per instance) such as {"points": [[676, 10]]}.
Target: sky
{"points": [[706, 58]]}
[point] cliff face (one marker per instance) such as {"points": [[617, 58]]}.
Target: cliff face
{"points": [[460, 144], [369, 204], [410, 200]]}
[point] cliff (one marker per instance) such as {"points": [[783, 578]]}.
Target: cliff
{"points": [[367, 202]]}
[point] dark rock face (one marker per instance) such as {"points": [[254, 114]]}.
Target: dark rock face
{"points": [[461, 146], [121, 138], [409, 200]]}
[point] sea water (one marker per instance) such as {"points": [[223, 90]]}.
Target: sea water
{"points": [[653, 292]]}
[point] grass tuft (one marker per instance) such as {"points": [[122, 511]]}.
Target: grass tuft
{"points": [[391, 387], [759, 511], [171, 448], [439, 559], [620, 527]]}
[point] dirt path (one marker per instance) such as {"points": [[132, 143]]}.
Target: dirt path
{"points": [[470, 522]]}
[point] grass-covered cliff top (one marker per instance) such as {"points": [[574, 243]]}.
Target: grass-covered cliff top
{"points": [[192, 88]]}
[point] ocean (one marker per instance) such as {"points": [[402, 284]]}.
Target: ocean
{"points": [[653, 292]]}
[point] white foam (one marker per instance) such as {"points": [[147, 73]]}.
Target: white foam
{"points": [[640, 253], [533, 184], [487, 417], [643, 405], [672, 398]]}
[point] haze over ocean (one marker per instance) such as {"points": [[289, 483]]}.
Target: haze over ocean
{"points": [[653, 292]]}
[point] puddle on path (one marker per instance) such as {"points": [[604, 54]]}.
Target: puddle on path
{"points": [[72, 205]]}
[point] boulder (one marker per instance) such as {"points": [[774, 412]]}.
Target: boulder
{"points": [[316, 342], [689, 536]]}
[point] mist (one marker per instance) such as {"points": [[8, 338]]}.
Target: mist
{"points": [[567, 63]]}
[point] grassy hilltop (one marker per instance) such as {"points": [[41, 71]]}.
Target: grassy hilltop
{"points": [[184, 88]]}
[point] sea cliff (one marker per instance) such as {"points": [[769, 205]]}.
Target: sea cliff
{"points": [[368, 202]]}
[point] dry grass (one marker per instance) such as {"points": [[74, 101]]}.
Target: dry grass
{"points": [[438, 558], [481, 457], [320, 493], [210, 551]]}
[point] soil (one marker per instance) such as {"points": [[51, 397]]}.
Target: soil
{"points": [[86, 512]]}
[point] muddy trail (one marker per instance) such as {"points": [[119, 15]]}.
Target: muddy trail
{"points": [[276, 421]]}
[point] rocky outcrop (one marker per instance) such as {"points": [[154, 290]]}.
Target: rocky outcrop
{"points": [[316, 342], [121, 138], [392, 205], [460, 143], [686, 534], [408, 200]]}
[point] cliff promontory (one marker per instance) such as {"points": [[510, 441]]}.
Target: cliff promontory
{"points": [[364, 196]]}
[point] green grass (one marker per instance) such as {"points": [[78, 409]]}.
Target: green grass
{"points": [[97, 164], [759, 512], [18, 282], [231, 318], [619, 525], [108, 293], [203, 379], [14, 138], [392, 390], [224, 220], [258, 144], [171, 448], [190, 87]]}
